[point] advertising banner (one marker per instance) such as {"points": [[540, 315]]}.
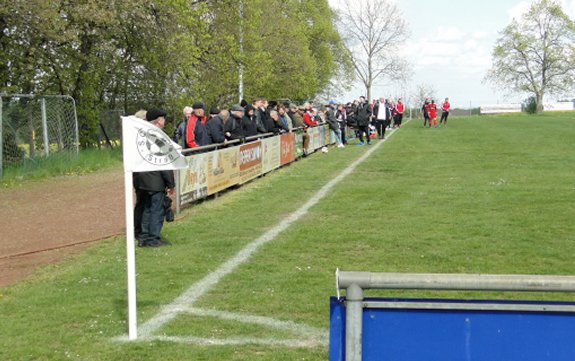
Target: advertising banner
{"points": [[287, 148], [299, 143], [223, 169], [250, 159], [315, 141], [194, 179], [271, 154]]}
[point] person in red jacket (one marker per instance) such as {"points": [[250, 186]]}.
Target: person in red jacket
{"points": [[445, 111], [399, 109], [196, 131], [432, 112], [309, 118]]}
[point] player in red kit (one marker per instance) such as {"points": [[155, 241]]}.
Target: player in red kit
{"points": [[399, 109], [445, 111], [432, 111]]}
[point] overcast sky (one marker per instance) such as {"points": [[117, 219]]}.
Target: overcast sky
{"points": [[450, 48]]}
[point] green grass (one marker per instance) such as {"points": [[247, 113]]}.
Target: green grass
{"points": [[61, 163], [483, 195]]}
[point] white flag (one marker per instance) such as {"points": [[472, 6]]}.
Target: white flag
{"points": [[148, 148]]}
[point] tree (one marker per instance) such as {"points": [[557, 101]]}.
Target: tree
{"points": [[374, 32], [422, 93], [133, 54], [536, 55]]}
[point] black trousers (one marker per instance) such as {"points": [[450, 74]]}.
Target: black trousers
{"points": [[363, 129], [398, 119], [138, 211], [444, 116]]}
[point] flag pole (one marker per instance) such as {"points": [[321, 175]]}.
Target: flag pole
{"points": [[131, 257]]}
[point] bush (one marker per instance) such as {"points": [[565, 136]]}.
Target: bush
{"points": [[530, 105]]}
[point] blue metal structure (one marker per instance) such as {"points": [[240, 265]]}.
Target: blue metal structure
{"points": [[445, 330]]}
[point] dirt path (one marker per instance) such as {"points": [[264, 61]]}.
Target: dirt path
{"points": [[43, 222]]}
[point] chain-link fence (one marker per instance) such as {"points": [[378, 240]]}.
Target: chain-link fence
{"points": [[36, 126], [110, 133]]}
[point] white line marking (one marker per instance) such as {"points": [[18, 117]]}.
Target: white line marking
{"points": [[304, 330], [236, 341], [186, 300]]}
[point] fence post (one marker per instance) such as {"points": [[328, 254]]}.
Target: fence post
{"points": [[45, 127], [1, 140], [353, 322], [76, 129]]}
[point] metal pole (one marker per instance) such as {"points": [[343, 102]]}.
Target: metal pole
{"points": [[353, 323], [241, 64], [45, 127], [178, 191], [75, 125], [479, 282], [131, 256], [1, 141]]}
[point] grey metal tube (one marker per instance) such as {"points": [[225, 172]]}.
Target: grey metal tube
{"points": [[45, 127], [353, 323], [368, 280]]}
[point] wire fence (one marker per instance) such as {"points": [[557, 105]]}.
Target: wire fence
{"points": [[36, 126]]}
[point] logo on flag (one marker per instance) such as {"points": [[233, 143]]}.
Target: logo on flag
{"points": [[148, 148], [155, 148]]}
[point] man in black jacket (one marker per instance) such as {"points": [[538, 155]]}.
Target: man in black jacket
{"points": [[234, 124], [362, 114], [151, 188], [215, 126]]}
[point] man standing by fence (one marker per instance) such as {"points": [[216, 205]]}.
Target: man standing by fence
{"points": [[363, 113], [382, 117], [151, 188]]}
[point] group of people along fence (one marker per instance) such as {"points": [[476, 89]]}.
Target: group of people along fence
{"points": [[242, 122]]}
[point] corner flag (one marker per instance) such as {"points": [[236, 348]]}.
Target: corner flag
{"points": [[148, 148], [145, 148]]}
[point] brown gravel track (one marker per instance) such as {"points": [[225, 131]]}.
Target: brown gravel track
{"points": [[43, 222]]}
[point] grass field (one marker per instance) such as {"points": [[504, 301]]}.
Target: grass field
{"points": [[483, 195], [59, 164]]}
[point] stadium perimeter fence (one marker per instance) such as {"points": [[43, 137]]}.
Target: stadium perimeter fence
{"points": [[33, 126]]}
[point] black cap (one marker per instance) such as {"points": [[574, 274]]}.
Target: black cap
{"points": [[198, 105], [214, 110], [154, 114]]}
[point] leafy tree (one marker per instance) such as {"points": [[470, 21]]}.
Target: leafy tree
{"points": [[536, 54], [132, 54], [375, 30]]}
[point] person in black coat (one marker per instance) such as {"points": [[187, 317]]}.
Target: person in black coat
{"points": [[363, 114], [151, 189], [215, 127], [233, 126], [249, 126]]}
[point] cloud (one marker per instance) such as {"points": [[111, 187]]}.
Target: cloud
{"points": [[569, 8], [449, 33], [453, 49], [518, 10]]}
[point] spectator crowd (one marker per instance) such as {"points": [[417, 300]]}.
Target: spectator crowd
{"points": [[244, 122]]}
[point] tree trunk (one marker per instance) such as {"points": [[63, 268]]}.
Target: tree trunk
{"points": [[539, 100]]}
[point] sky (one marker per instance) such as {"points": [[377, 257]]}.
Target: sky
{"points": [[450, 48]]}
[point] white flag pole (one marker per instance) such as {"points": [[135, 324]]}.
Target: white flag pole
{"points": [[131, 257], [138, 136]]}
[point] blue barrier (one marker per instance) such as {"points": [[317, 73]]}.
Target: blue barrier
{"points": [[432, 330], [440, 330]]}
